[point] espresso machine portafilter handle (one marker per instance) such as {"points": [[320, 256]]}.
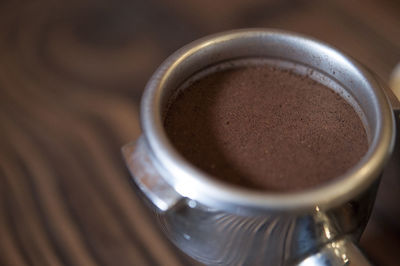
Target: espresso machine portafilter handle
{"points": [[339, 252]]}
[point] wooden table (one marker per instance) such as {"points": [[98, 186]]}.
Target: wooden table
{"points": [[71, 76]]}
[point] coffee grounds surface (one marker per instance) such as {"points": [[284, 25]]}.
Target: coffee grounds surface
{"points": [[266, 129]]}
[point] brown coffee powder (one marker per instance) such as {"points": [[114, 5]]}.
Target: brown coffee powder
{"points": [[266, 129]]}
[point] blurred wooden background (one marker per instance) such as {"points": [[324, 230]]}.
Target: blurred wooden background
{"points": [[71, 76]]}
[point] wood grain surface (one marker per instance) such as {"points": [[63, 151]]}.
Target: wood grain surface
{"points": [[71, 76]]}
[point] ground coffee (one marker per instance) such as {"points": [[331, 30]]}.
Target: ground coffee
{"points": [[266, 128]]}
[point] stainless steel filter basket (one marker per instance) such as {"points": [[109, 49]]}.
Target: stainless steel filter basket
{"points": [[220, 224]]}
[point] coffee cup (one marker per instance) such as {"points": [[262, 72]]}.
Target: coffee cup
{"points": [[221, 224]]}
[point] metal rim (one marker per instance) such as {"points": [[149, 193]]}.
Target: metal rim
{"points": [[195, 184]]}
